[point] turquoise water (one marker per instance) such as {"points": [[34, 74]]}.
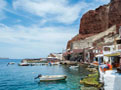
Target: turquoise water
{"points": [[14, 77]]}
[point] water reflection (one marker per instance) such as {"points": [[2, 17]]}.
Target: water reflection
{"points": [[53, 82]]}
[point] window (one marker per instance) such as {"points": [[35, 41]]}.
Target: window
{"points": [[118, 41], [106, 48]]}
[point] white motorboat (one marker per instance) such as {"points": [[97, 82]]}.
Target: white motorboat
{"points": [[11, 63], [73, 67], [52, 77], [23, 64]]}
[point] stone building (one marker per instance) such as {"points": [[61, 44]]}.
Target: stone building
{"points": [[101, 38]]}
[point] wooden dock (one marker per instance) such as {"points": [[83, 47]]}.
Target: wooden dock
{"points": [[37, 64]]}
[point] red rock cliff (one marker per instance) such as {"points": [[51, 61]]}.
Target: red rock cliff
{"points": [[98, 20], [94, 21], [114, 13]]}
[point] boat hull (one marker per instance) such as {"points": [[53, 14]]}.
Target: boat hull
{"points": [[11, 63], [73, 67], [53, 78], [23, 64]]}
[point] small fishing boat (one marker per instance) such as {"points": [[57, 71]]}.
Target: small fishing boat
{"points": [[55, 63], [11, 63], [51, 77], [73, 67], [23, 64]]}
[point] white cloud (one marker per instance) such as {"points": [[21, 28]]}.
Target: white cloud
{"points": [[103, 1], [57, 10], [19, 41], [94, 4], [28, 40], [2, 6]]}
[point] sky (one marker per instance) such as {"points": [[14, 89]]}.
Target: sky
{"points": [[35, 28]]}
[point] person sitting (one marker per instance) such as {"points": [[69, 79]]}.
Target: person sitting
{"points": [[106, 67], [109, 66]]}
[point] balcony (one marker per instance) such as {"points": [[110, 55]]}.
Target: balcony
{"points": [[112, 49]]}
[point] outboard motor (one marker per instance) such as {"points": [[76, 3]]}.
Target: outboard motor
{"points": [[38, 76]]}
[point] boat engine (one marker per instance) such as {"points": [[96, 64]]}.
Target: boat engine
{"points": [[38, 76]]}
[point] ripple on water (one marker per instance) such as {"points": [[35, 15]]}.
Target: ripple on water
{"points": [[14, 77]]}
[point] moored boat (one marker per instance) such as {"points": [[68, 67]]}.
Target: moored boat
{"points": [[73, 67], [23, 64], [51, 77], [57, 63], [11, 63]]}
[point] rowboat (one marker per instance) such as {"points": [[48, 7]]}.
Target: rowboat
{"points": [[52, 77]]}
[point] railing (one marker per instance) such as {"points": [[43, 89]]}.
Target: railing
{"points": [[112, 48]]}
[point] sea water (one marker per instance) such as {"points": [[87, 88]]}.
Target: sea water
{"points": [[14, 77]]}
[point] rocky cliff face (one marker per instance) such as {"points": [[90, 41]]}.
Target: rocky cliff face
{"points": [[114, 13], [94, 21], [99, 20]]}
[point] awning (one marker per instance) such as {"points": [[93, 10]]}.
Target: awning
{"points": [[52, 57], [99, 55], [113, 54], [77, 50]]}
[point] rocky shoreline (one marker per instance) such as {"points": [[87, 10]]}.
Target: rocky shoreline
{"points": [[91, 82]]}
